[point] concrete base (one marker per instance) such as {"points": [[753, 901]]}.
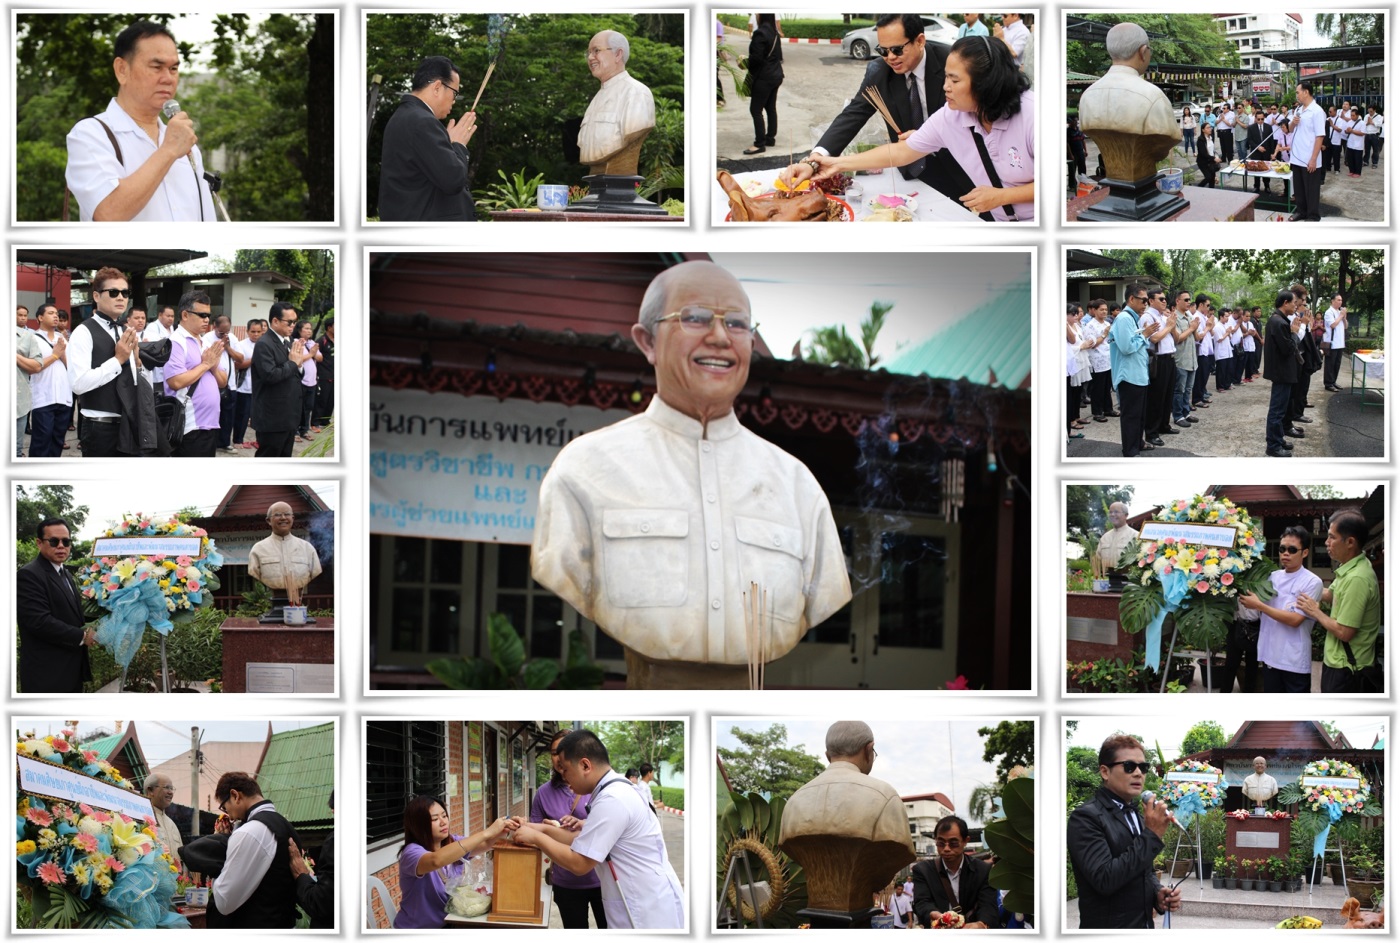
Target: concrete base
{"points": [[245, 640], [1222, 909], [610, 193], [648, 674], [838, 919]]}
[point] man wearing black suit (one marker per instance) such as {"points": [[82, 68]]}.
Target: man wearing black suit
{"points": [[1111, 845], [1282, 364], [277, 394], [907, 63], [423, 167], [953, 881], [53, 645]]}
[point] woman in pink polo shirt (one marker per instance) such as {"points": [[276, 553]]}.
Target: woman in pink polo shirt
{"points": [[987, 124]]}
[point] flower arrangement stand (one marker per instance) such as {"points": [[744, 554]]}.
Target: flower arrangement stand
{"points": [[1184, 653], [164, 671], [1181, 833], [1341, 861]]}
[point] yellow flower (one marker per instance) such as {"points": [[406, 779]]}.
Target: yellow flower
{"points": [[164, 584], [25, 847], [169, 564], [126, 569]]}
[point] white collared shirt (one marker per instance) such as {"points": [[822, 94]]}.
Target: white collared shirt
{"points": [[623, 835], [85, 377], [250, 851], [1335, 334], [94, 171], [51, 385]]}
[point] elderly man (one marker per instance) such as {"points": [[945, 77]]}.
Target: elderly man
{"points": [[1349, 655], [424, 167], [1116, 539], [282, 561], [621, 114], [1259, 787], [654, 527], [160, 789], [124, 164], [847, 829]]}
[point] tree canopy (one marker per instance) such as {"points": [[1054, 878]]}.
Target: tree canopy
{"points": [[1013, 741], [314, 268], [530, 111], [44, 501], [767, 764], [1205, 735], [268, 104], [1190, 39], [833, 346], [1086, 507], [631, 743], [1351, 29]]}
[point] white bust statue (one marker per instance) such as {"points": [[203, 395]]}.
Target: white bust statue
{"points": [[1130, 119], [621, 114], [1259, 787]]}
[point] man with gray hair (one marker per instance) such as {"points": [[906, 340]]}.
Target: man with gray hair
{"points": [[161, 791], [848, 830], [621, 114], [1116, 539], [282, 561], [654, 527]]}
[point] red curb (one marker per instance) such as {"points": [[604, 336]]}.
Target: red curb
{"points": [[792, 39]]}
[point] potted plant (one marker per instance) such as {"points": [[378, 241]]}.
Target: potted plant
{"points": [[1246, 874], [1277, 869], [1232, 870], [1217, 878], [1367, 876]]}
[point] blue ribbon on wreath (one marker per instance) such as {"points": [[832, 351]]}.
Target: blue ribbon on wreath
{"points": [[1175, 587], [141, 893], [130, 610], [1188, 807], [1334, 815]]}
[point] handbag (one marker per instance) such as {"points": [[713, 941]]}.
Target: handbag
{"points": [[1369, 680]]}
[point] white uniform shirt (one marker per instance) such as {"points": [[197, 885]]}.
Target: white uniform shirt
{"points": [[623, 106], [900, 905], [1205, 347], [1222, 343], [640, 888], [245, 384], [655, 533], [50, 385], [1167, 345], [225, 361], [1336, 336], [1248, 340], [26, 346], [1282, 646], [250, 851], [94, 171], [1312, 124], [1098, 356], [82, 374], [1357, 142], [1017, 35]]}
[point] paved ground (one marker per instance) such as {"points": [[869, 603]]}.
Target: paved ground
{"points": [[1343, 197], [673, 831], [1243, 910], [72, 451], [1234, 426]]}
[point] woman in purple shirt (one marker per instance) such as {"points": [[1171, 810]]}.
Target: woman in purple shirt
{"points": [[432, 858], [574, 893], [988, 121]]}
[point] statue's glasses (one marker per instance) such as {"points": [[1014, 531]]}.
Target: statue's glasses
{"points": [[698, 319]]}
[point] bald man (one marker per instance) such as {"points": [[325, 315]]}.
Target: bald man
{"points": [[620, 115], [1116, 539], [160, 789], [654, 527], [282, 561]]}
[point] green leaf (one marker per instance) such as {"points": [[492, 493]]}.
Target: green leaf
{"points": [[466, 674], [539, 674], [1204, 622], [775, 824], [584, 677], [507, 650], [762, 815], [577, 654], [1139, 605], [746, 813]]}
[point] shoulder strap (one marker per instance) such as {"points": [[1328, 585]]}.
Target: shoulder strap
{"points": [[111, 137], [991, 169], [954, 904]]}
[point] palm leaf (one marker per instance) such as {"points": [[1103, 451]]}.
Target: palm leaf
{"points": [[1204, 622], [1139, 606]]}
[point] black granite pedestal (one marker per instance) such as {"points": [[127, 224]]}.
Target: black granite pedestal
{"points": [[1135, 201], [613, 193], [838, 919]]}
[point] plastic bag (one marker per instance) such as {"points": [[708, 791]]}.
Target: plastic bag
{"points": [[466, 902]]}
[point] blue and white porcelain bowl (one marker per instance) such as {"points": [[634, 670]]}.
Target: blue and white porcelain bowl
{"points": [[552, 196]]}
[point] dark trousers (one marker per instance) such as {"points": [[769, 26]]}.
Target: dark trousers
{"points": [[1224, 370], [197, 443], [98, 439], [1278, 681], [573, 903], [1374, 144], [1101, 393], [1205, 366], [1158, 412], [1132, 401], [225, 420], [764, 100], [48, 427], [1332, 366], [1279, 398], [1332, 156], [325, 402], [1354, 159], [1227, 144], [242, 409], [1243, 646], [1299, 400], [275, 444], [1307, 193], [1239, 367], [1071, 403], [1251, 363], [308, 407], [1339, 681]]}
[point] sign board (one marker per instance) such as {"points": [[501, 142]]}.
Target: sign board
{"points": [[289, 678], [1187, 776], [51, 781], [1085, 629], [1208, 535], [465, 467], [146, 546], [1245, 839], [1261, 86], [1332, 782]]}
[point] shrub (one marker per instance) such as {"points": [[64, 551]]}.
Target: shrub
{"points": [[670, 796]]}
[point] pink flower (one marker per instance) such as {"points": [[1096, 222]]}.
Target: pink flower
{"points": [[115, 865], [1227, 579], [150, 821], [183, 560], [1196, 569], [1166, 569], [193, 584], [101, 816], [86, 842], [68, 734], [1202, 586], [52, 873], [1201, 554], [61, 745], [89, 756], [157, 557], [1249, 541], [39, 817], [201, 532], [957, 684], [1151, 557], [106, 561], [125, 818]]}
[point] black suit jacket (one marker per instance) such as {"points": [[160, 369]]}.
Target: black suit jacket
{"points": [[976, 896], [52, 656], [317, 895], [423, 174], [276, 386], [1112, 866], [1280, 350]]}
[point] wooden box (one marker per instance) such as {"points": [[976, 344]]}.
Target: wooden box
{"points": [[515, 893]]}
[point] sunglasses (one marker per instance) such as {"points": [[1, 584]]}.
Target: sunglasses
{"points": [[115, 292], [59, 541], [883, 51], [1283, 548], [1130, 766], [949, 843]]}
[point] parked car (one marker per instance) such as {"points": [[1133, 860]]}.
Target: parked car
{"points": [[861, 43]]}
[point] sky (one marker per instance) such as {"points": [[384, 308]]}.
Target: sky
{"points": [[107, 503], [1167, 728], [930, 291], [160, 741], [915, 757]]}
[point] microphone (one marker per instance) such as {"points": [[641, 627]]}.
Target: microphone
{"points": [[169, 110], [1149, 796]]}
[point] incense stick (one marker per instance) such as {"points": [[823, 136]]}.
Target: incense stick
{"points": [[491, 68], [873, 96]]}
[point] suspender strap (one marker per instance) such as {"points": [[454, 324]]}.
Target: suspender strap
{"points": [[991, 170]]}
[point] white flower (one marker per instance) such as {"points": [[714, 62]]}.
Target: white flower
{"points": [[39, 748], [1210, 571], [128, 854], [90, 826]]}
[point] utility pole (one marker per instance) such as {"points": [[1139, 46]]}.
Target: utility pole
{"points": [[194, 781]]}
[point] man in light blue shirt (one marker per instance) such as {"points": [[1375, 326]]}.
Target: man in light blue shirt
{"points": [[1127, 354], [972, 26]]}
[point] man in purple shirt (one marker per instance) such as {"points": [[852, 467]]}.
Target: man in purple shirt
{"points": [[573, 893], [192, 375]]}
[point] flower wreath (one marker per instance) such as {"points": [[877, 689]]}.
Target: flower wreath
{"points": [[1350, 800], [61, 751], [1209, 793], [1197, 584], [149, 590]]}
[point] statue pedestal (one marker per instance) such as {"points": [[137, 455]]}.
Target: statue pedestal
{"points": [[838, 919], [612, 193], [284, 659], [1256, 837], [1137, 201]]}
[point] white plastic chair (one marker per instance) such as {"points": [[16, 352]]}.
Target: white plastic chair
{"points": [[376, 886]]}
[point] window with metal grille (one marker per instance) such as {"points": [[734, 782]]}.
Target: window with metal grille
{"points": [[404, 759]]}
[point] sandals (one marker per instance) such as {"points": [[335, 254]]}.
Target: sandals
{"points": [[1076, 435], [756, 149]]}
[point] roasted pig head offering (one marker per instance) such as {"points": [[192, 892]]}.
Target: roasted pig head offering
{"points": [[810, 206]]}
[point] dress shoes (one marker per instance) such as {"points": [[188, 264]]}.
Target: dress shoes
{"points": [[1303, 419], [1156, 440], [1168, 431], [1293, 432], [1279, 453], [1288, 445], [1112, 414], [1192, 419], [1184, 423]]}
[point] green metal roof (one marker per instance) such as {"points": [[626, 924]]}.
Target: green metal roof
{"points": [[298, 774], [996, 338], [104, 746]]}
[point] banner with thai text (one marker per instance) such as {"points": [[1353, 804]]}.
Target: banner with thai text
{"points": [[59, 782], [465, 467]]}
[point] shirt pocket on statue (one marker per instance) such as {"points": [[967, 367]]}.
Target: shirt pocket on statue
{"points": [[646, 557], [771, 555]]}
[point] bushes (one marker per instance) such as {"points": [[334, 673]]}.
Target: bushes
{"points": [[193, 652], [820, 29], [669, 796]]}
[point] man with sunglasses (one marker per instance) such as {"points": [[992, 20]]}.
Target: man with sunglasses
{"points": [[654, 527], [424, 168], [102, 358], [53, 642], [276, 405], [1112, 843], [1285, 630], [193, 376], [953, 881]]}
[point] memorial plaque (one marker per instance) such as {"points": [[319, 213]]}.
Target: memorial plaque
{"points": [[289, 678], [1257, 839], [1098, 631]]}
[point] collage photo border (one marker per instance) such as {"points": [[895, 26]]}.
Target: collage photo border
{"points": [[354, 704]]}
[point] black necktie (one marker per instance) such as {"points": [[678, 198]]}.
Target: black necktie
{"points": [[916, 114]]}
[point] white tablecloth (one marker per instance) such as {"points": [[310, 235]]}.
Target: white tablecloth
{"points": [[932, 205], [1374, 364]]}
